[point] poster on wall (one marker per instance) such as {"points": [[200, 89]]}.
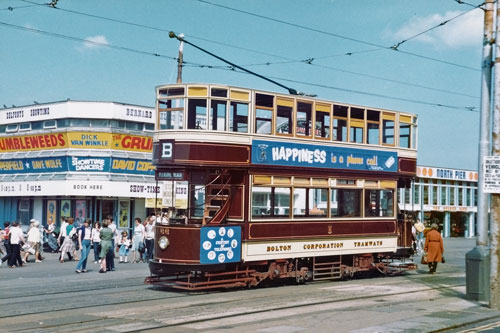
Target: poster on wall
{"points": [[80, 212], [51, 210], [166, 194], [65, 208], [123, 215], [181, 195]]}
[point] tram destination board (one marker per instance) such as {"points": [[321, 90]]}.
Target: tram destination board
{"points": [[491, 174]]}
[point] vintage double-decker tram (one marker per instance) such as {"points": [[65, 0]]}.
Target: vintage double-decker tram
{"points": [[275, 186]]}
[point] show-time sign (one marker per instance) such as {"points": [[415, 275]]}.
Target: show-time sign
{"points": [[294, 154], [219, 245]]}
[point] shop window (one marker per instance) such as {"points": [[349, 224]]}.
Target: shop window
{"points": [[171, 113], [197, 114], [434, 194], [460, 201], [218, 115], [2, 128], [468, 196], [426, 196], [79, 122], [416, 194], [345, 203], [304, 118], [444, 195], [149, 127], [23, 211], [24, 127], [373, 127], [238, 117], [322, 125], [133, 126], [47, 124], [339, 123], [38, 125], [11, 128], [452, 195], [103, 123], [407, 195]]}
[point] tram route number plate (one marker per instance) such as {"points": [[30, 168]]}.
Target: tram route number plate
{"points": [[491, 174], [219, 245]]}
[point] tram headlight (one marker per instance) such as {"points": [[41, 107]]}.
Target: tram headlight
{"points": [[163, 242]]}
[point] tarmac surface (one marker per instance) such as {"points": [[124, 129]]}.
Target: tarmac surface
{"points": [[51, 297]]}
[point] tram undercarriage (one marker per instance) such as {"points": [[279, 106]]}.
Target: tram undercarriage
{"points": [[301, 270]]}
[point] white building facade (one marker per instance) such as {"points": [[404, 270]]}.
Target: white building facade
{"points": [[79, 159]]}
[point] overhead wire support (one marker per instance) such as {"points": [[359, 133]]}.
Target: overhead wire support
{"points": [[291, 91]]}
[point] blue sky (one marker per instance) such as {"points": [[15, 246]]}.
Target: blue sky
{"points": [[347, 40]]}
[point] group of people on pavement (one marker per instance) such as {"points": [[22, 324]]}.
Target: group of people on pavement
{"points": [[104, 238], [433, 248]]}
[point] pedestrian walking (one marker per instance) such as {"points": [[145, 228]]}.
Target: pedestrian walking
{"points": [[124, 244], [84, 240], [419, 235], [5, 240], [96, 241], [68, 246], [110, 258], [434, 248], [106, 235], [33, 244], [51, 235], [138, 240], [16, 239], [150, 238]]}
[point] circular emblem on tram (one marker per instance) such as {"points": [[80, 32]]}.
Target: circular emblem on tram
{"points": [[211, 255], [207, 245], [211, 234], [234, 243], [230, 254], [222, 231], [230, 233], [221, 257]]}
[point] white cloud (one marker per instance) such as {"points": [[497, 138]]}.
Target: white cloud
{"points": [[464, 31], [94, 41]]}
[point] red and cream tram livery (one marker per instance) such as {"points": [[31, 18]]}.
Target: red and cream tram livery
{"points": [[267, 186]]}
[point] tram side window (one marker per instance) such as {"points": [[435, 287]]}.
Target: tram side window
{"points": [[171, 113], [345, 203], [388, 129], [238, 117], [304, 118], [339, 123], [357, 125], [310, 202], [218, 115], [284, 120], [197, 114], [373, 127], [197, 201], [379, 203], [263, 121], [322, 127], [404, 135], [270, 201]]}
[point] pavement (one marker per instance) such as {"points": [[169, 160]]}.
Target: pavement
{"points": [[439, 305]]}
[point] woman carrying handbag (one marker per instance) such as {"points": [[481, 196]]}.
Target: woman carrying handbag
{"points": [[434, 248]]}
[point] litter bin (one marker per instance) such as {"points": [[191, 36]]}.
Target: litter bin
{"points": [[477, 274]]}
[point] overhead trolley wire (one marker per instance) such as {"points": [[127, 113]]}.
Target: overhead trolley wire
{"points": [[287, 60], [337, 35]]}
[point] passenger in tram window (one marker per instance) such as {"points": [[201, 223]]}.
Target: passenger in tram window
{"points": [[434, 248]]}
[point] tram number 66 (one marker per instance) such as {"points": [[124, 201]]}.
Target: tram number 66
{"points": [[167, 150]]}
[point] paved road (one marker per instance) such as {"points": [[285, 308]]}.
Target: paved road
{"points": [[51, 297]]}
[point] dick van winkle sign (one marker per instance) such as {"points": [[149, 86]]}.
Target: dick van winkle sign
{"points": [[491, 174], [85, 188]]}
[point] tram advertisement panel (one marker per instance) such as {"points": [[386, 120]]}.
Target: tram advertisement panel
{"points": [[305, 155], [220, 245]]}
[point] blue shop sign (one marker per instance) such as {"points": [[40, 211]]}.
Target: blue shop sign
{"points": [[304, 155], [134, 166], [219, 245], [34, 165], [88, 164]]}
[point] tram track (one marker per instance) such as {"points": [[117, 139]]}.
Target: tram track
{"points": [[205, 316]]}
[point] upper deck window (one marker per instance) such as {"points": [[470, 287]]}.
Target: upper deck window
{"points": [[340, 123], [218, 110], [264, 106], [284, 116], [304, 119], [175, 91], [171, 113], [197, 114], [373, 127], [323, 117], [357, 125], [238, 117], [218, 92], [388, 122], [404, 131]]}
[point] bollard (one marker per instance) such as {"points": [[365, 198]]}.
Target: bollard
{"points": [[477, 274]]}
